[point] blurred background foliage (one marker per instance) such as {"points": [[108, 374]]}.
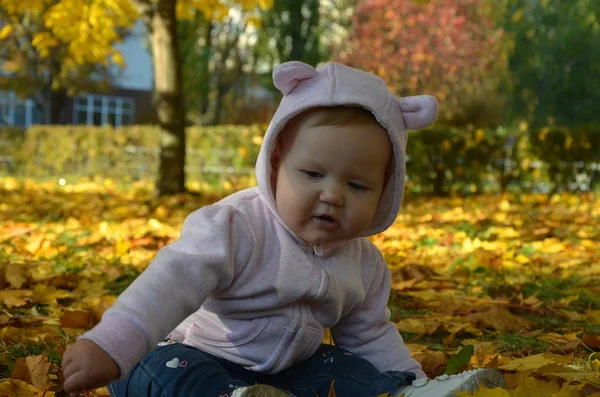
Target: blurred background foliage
{"points": [[517, 81]]}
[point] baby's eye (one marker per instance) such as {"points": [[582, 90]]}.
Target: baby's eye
{"points": [[312, 174], [357, 186]]}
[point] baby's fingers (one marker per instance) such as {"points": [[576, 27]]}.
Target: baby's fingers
{"points": [[69, 368], [75, 382], [80, 381]]}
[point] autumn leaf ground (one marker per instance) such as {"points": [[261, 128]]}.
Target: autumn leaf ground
{"points": [[516, 277]]}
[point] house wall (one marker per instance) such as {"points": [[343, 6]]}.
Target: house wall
{"points": [[102, 105], [132, 84]]}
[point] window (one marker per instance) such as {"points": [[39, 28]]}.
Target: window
{"points": [[92, 109], [18, 112]]}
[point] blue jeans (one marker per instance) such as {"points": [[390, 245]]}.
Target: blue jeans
{"points": [[178, 370]]}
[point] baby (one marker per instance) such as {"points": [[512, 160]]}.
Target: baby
{"points": [[239, 304]]}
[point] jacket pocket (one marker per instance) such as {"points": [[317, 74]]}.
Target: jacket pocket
{"points": [[227, 333]]}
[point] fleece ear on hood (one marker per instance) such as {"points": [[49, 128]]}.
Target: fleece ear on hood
{"points": [[304, 87]]}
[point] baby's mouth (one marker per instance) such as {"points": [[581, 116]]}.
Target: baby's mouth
{"points": [[326, 222], [326, 218]]}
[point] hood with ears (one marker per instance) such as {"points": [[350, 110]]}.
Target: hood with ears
{"points": [[304, 87]]}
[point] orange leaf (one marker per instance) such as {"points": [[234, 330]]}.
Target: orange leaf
{"points": [[33, 370], [592, 341], [332, 390], [20, 370], [76, 319]]}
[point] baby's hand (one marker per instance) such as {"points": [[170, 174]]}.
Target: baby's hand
{"points": [[86, 366]]}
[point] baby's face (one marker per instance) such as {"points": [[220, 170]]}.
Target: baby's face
{"points": [[329, 179]]}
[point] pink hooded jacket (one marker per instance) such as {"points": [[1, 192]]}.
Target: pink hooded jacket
{"points": [[240, 285]]}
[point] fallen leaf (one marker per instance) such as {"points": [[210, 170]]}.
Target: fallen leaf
{"points": [[103, 304], [76, 319], [592, 341], [35, 243], [15, 275], [531, 362], [332, 390], [571, 373], [15, 297], [412, 325], [433, 362], [500, 319], [485, 392], [39, 368], [459, 362], [532, 387], [15, 387]]}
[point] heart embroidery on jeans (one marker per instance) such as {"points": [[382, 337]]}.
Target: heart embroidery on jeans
{"points": [[183, 364], [174, 363]]}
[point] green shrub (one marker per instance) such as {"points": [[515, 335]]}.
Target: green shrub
{"points": [[441, 160], [11, 140], [567, 152], [131, 153]]}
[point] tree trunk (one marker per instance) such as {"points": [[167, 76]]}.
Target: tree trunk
{"points": [[161, 22]]}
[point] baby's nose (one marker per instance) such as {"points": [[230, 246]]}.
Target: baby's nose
{"points": [[332, 195]]}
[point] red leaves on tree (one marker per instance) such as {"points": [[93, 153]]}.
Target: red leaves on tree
{"points": [[439, 47]]}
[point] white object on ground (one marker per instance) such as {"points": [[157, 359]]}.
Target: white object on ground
{"points": [[446, 385]]}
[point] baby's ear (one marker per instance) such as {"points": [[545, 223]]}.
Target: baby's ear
{"points": [[287, 75], [418, 111]]}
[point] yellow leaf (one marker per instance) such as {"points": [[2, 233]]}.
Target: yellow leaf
{"points": [[518, 14], [522, 259], [593, 316], [118, 59], [255, 22], [504, 205], [572, 373], [35, 243], [567, 301], [257, 140], [15, 298], [523, 126], [500, 319], [264, 4], [485, 392], [15, 275], [15, 387], [413, 325], [536, 362], [568, 142], [39, 368], [331, 390], [6, 31], [479, 135], [101, 306], [49, 294], [122, 247]]}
